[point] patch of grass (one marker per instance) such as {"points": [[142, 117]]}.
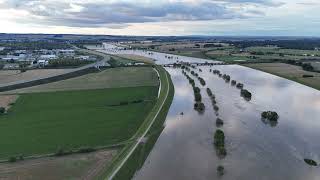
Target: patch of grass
{"points": [[42, 123]]}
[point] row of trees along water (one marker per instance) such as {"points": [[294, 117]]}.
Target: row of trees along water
{"points": [[268, 117]]}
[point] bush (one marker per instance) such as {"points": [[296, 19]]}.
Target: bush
{"points": [[197, 97], [215, 107], [199, 106], [219, 122], [196, 90], [233, 82], [86, 150], [270, 115], [311, 162], [61, 152], [220, 170], [307, 76], [239, 85], [124, 103], [202, 81], [246, 94], [12, 159], [226, 77], [2, 110], [209, 92], [219, 138]]}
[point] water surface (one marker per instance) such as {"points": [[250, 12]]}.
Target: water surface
{"points": [[256, 149]]}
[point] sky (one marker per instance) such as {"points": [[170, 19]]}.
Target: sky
{"points": [[162, 17]]}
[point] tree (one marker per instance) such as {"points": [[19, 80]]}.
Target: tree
{"points": [[219, 122], [2, 110], [270, 115]]}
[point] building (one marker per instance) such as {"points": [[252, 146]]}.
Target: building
{"points": [[48, 56]]}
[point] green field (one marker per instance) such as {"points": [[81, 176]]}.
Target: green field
{"points": [[41, 123], [109, 78]]}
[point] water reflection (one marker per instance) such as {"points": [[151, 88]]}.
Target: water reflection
{"points": [[185, 148]]}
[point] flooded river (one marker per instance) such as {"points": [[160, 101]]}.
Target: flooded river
{"points": [[255, 149]]}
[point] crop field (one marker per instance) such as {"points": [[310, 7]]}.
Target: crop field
{"points": [[43, 123], [76, 166], [109, 78], [9, 76], [288, 71]]}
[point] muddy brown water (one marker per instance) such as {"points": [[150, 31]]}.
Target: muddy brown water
{"points": [[256, 149]]}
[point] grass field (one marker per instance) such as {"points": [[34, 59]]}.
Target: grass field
{"points": [[288, 71], [109, 78], [41, 123]]}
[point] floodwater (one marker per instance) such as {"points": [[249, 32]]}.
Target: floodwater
{"points": [[256, 149], [159, 58]]}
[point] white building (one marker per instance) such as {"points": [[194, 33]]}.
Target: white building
{"points": [[48, 56]]}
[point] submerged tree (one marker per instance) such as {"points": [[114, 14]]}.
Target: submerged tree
{"points": [[220, 170], [233, 82], [239, 85], [311, 162], [270, 115], [246, 94], [219, 122]]}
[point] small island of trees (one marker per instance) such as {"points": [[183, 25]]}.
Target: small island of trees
{"points": [[246, 94], [270, 115]]}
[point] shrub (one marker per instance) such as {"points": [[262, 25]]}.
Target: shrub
{"points": [[2, 110], [307, 76], [239, 85], [311, 162], [86, 150], [219, 122], [219, 138], [226, 77], [202, 81], [233, 82], [220, 170], [246, 94], [209, 92], [270, 115], [215, 107], [197, 97], [12, 159], [124, 103], [199, 106], [196, 90]]}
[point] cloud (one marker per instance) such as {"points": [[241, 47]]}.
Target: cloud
{"points": [[117, 14]]}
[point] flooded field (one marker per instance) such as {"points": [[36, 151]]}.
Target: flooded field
{"points": [[256, 149]]}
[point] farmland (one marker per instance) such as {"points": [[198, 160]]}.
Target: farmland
{"points": [[9, 76], [76, 166], [45, 122], [291, 72], [109, 78]]}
